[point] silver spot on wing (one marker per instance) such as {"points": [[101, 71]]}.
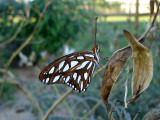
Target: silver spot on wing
{"points": [[75, 76], [74, 63], [80, 57], [89, 55], [81, 85], [79, 78], [85, 75], [61, 65], [47, 80], [51, 70], [56, 78], [66, 68], [82, 65], [89, 65], [67, 79]]}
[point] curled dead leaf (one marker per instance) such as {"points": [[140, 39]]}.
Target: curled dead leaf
{"points": [[112, 71], [142, 65]]}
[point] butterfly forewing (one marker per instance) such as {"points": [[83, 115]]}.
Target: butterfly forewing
{"points": [[74, 69]]}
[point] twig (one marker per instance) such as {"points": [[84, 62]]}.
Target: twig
{"points": [[126, 88], [153, 21], [89, 112], [26, 92], [124, 109], [65, 103], [8, 73], [56, 104], [37, 11], [14, 54], [136, 116], [65, 95], [115, 106], [98, 71], [14, 35], [30, 37]]}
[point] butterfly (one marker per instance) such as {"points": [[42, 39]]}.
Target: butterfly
{"points": [[75, 69]]}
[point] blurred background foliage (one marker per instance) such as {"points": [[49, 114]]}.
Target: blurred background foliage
{"points": [[61, 24], [70, 23]]}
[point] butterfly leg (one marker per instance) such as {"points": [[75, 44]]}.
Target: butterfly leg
{"points": [[105, 57], [98, 73]]}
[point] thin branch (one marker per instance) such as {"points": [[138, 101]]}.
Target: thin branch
{"points": [[14, 35], [89, 112], [152, 24], [65, 103], [14, 54], [56, 104], [136, 116], [29, 38], [124, 109], [8, 73], [26, 92], [61, 99], [37, 11], [126, 88], [112, 109]]}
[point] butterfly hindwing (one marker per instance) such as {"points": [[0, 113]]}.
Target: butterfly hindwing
{"points": [[74, 69]]}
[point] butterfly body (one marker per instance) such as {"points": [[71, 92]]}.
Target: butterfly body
{"points": [[74, 69]]}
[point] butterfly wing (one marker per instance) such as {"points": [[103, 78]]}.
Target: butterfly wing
{"points": [[74, 69]]}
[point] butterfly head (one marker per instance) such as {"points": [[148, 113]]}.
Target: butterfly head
{"points": [[96, 51]]}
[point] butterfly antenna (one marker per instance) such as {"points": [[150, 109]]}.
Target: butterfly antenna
{"points": [[95, 28]]}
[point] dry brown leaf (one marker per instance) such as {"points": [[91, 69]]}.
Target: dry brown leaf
{"points": [[142, 65], [112, 71]]}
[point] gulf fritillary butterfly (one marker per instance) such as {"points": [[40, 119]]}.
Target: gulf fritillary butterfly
{"points": [[75, 69]]}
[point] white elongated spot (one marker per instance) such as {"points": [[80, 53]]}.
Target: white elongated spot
{"points": [[82, 65], [84, 90], [89, 55], [63, 78], [43, 81], [90, 64], [93, 68], [72, 86], [68, 84], [80, 57], [75, 89], [67, 79], [66, 68], [71, 57], [89, 79], [87, 85], [75, 76], [74, 63], [97, 56], [95, 61], [85, 75], [56, 78], [81, 85], [61, 65], [47, 80], [51, 70], [79, 78]]}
